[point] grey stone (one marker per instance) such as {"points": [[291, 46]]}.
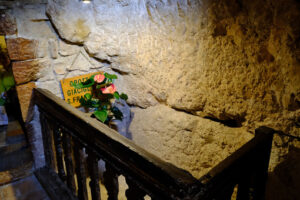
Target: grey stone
{"points": [[190, 142], [61, 64], [67, 49], [53, 48]]}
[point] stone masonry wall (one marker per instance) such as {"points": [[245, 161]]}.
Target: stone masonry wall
{"points": [[201, 75]]}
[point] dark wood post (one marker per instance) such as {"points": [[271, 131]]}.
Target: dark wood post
{"points": [[47, 140], [80, 171], [59, 152], [92, 161], [262, 163], [67, 145], [133, 192], [111, 182]]}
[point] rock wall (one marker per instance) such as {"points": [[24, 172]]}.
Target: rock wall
{"points": [[194, 70]]}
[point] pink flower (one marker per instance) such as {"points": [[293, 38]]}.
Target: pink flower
{"points": [[99, 78], [109, 90]]}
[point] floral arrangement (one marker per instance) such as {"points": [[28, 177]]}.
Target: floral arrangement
{"points": [[103, 96]]}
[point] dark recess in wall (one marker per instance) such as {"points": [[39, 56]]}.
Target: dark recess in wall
{"points": [[234, 123]]}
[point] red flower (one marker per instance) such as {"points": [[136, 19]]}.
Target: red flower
{"points": [[99, 78], [109, 90]]}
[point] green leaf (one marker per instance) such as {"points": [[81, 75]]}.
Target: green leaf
{"points": [[95, 105], [117, 113], [86, 84], [101, 115], [110, 76], [8, 81], [116, 95], [2, 88], [124, 96], [2, 102], [88, 96], [92, 77], [84, 102]]}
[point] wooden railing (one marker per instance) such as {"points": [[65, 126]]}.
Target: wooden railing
{"points": [[74, 143]]}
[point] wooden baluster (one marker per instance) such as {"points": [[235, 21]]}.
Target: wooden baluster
{"points": [[92, 161], [68, 161], [133, 192], [262, 164], [227, 194], [80, 172], [243, 192], [111, 182], [47, 141], [59, 152]]}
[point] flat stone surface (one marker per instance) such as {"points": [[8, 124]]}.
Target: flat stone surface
{"points": [[21, 48], [53, 48], [187, 141], [67, 49], [32, 22], [32, 70], [8, 24], [80, 63], [24, 93], [10, 134], [61, 64], [15, 174], [14, 159], [25, 71], [15, 156], [24, 189]]}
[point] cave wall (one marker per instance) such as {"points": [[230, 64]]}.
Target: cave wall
{"points": [[200, 75], [234, 61]]}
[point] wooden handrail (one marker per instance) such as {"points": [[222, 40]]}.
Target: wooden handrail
{"points": [[249, 164], [158, 178], [66, 128]]}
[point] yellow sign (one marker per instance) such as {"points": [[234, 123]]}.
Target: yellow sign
{"points": [[2, 50], [71, 94]]}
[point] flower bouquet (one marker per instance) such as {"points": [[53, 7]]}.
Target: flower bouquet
{"points": [[102, 98]]}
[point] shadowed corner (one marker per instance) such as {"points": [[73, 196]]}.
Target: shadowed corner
{"points": [[283, 182]]}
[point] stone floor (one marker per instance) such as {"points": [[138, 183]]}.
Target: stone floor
{"points": [[17, 181], [25, 189]]}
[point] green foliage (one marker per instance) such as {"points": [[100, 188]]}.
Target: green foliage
{"points": [[88, 96], [2, 102], [2, 88], [102, 97], [101, 115], [6, 82], [118, 114], [124, 96], [88, 83], [116, 95], [110, 76]]}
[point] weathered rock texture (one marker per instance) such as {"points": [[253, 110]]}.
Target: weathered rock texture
{"points": [[190, 142], [236, 62], [30, 70], [24, 93], [232, 61], [222, 59], [21, 48], [7, 23]]}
